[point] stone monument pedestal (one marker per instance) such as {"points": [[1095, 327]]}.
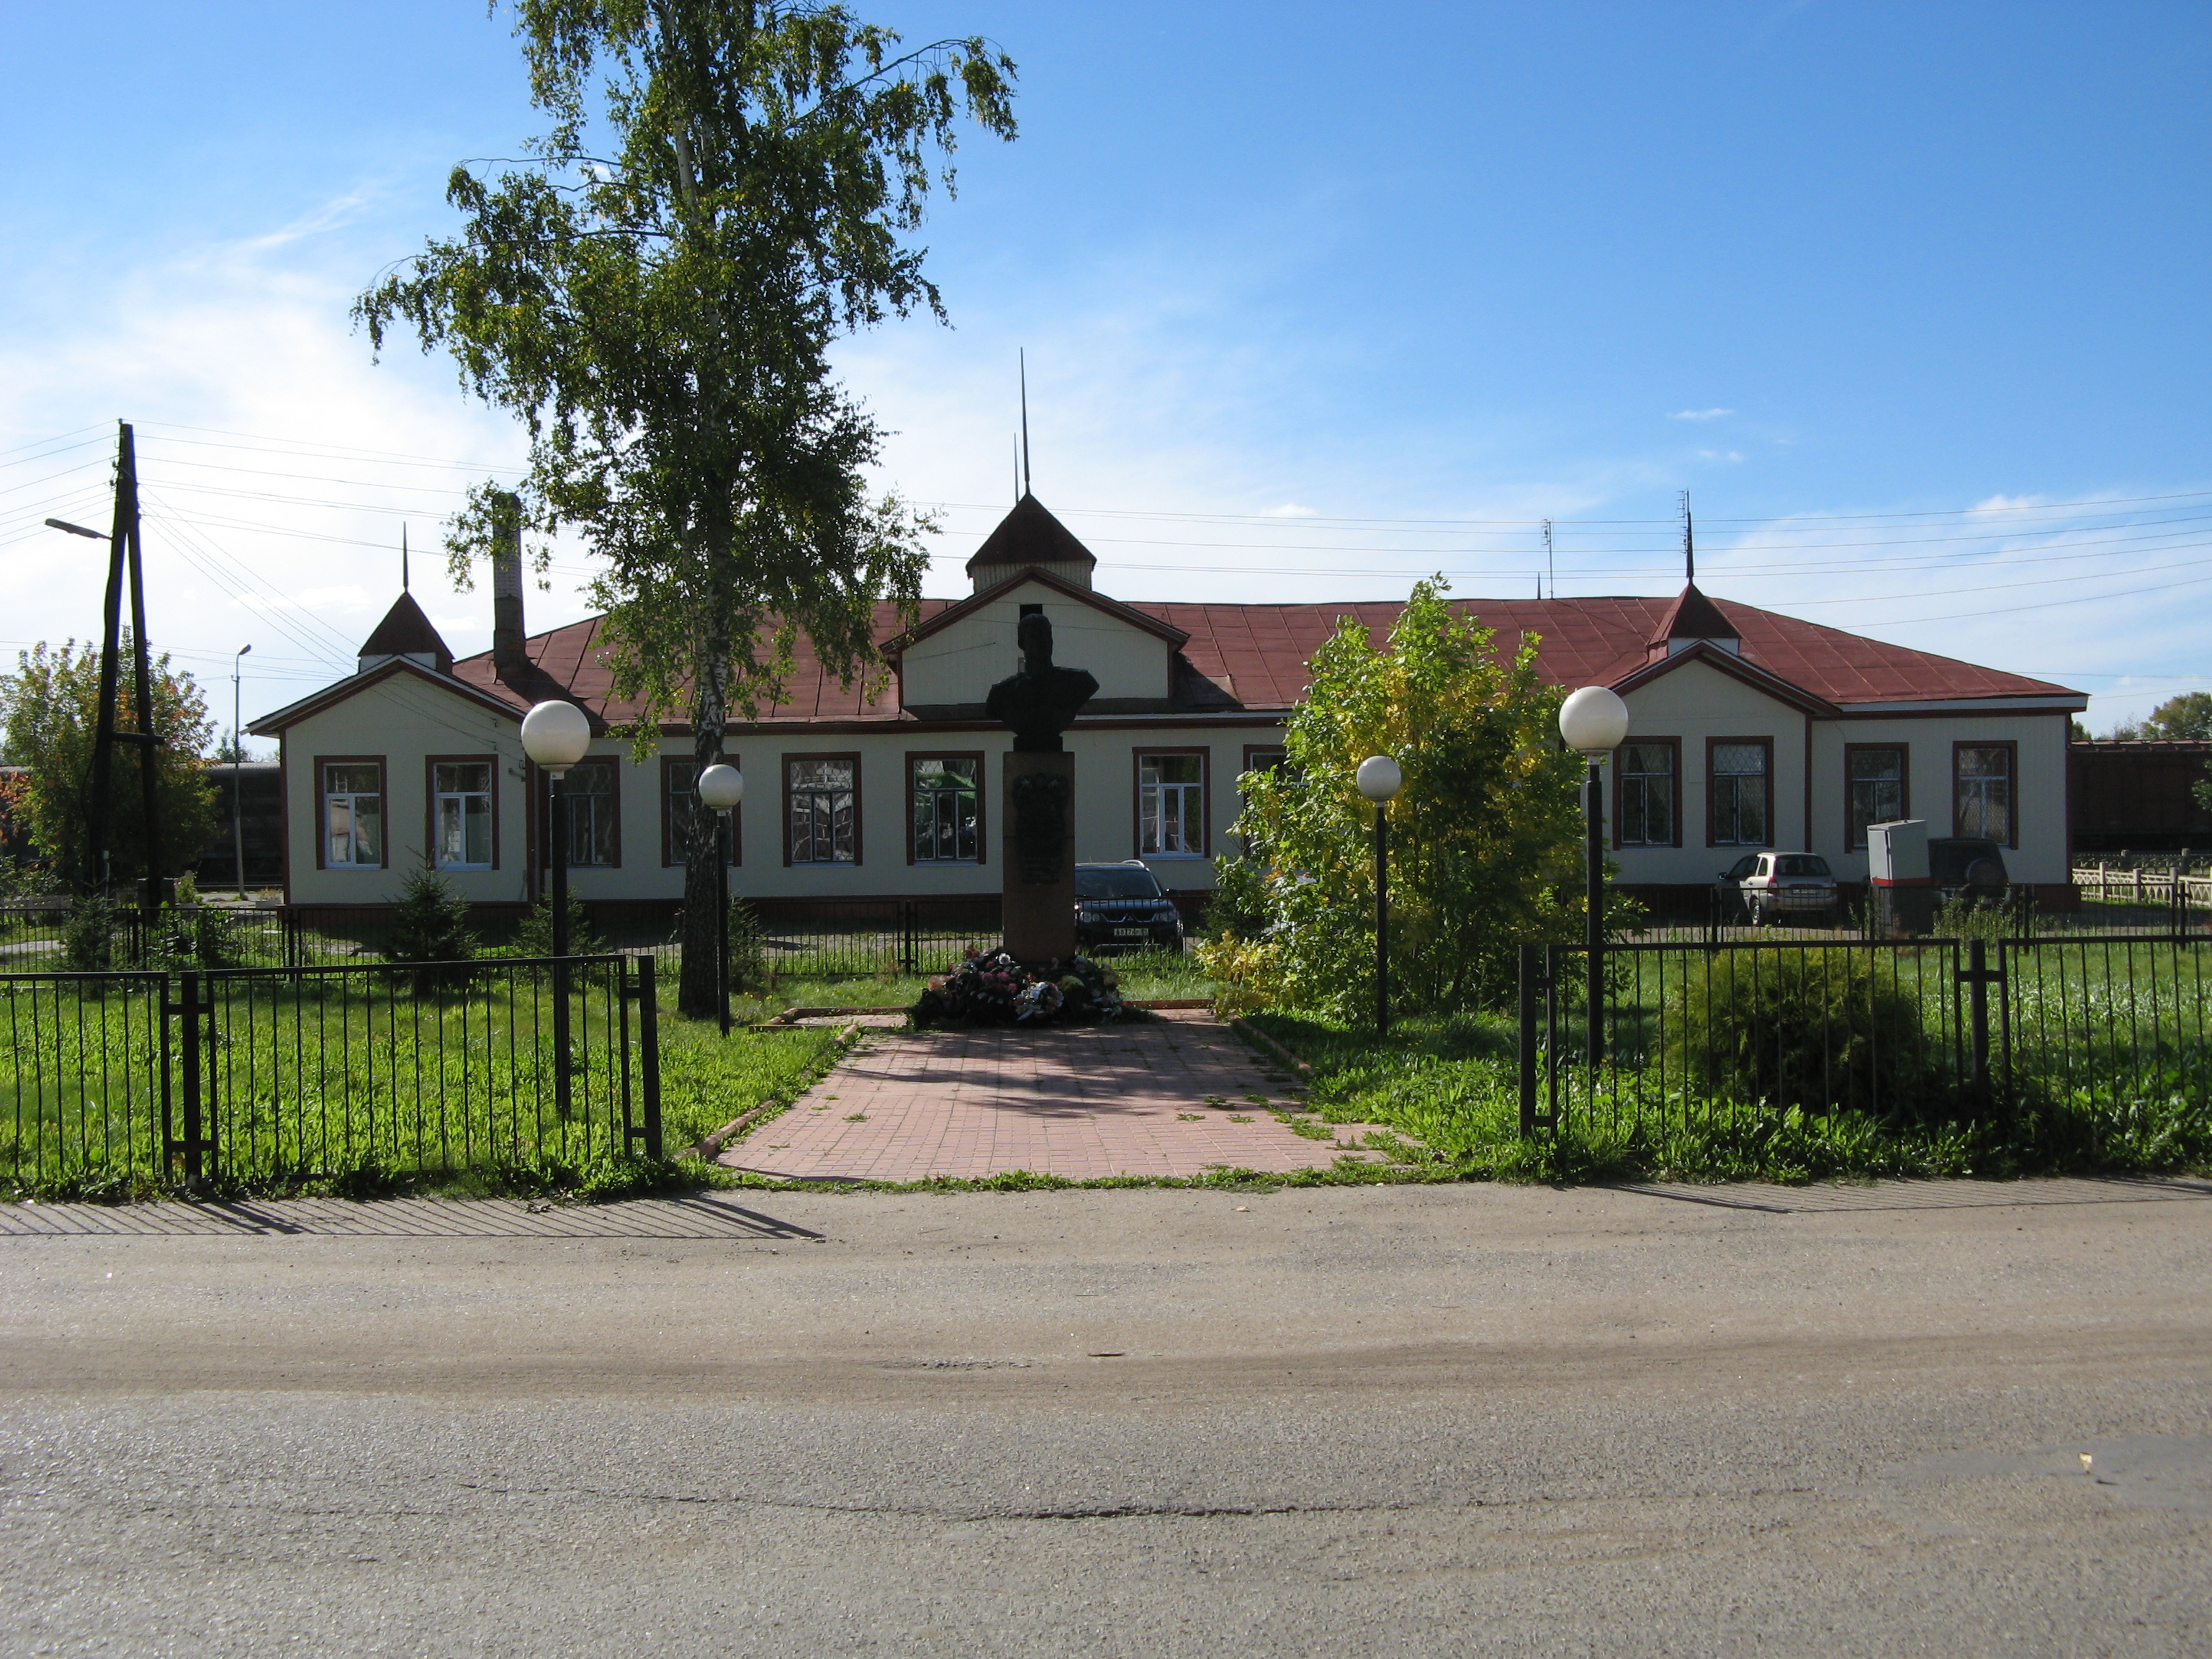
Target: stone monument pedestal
{"points": [[1036, 856]]}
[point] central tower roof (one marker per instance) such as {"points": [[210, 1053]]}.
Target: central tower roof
{"points": [[1030, 536]]}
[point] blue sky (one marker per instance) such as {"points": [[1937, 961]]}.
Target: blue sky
{"points": [[1910, 297]]}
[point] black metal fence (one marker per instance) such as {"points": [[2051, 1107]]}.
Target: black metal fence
{"points": [[251, 1073], [1688, 1033], [798, 939]]}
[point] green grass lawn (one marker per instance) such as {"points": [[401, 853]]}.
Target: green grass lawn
{"points": [[324, 1088]]}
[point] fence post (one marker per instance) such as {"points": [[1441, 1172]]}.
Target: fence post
{"points": [[1528, 1051], [1978, 978], [649, 1043], [189, 1006], [910, 923]]}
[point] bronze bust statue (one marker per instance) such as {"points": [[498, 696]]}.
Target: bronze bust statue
{"points": [[1041, 702]]}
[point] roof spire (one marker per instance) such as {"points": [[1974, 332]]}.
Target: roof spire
{"points": [[402, 558], [1689, 544], [1023, 358], [1018, 470]]}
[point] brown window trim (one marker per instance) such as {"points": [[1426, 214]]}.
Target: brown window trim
{"points": [[613, 765], [1904, 786], [2012, 778], [1767, 743], [430, 765], [1252, 749], [322, 813], [1674, 830], [668, 858], [783, 766], [982, 815], [1137, 799]]}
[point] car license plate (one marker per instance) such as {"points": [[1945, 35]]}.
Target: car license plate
{"points": [[1131, 933]]}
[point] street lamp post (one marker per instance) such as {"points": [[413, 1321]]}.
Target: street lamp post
{"points": [[555, 735], [721, 787], [1593, 720], [237, 774], [1379, 779]]}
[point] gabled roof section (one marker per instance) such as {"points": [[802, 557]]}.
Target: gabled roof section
{"points": [[1728, 662], [1030, 535], [406, 632], [1144, 618], [1693, 617], [330, 696]]}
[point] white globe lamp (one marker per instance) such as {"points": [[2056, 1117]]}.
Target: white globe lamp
{"points": [[722, 787], [555, 735], [1379, 778], [1593, 720]]}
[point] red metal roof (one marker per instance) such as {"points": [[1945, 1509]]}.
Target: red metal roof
{"points": [[1258, 653]]}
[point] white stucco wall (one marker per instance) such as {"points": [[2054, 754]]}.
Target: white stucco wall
{"points": [[402, 722], [961, 663], [1696, 704]]}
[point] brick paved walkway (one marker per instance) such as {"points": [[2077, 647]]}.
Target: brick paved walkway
{"points": [[1175, 1097]]}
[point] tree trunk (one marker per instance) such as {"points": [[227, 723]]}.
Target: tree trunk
{"points": [[698, 989]]}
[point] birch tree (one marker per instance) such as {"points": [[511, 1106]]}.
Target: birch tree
{"points": [[726, 188]]}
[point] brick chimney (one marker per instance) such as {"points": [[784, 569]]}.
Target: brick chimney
{"points": [[507, 657]]}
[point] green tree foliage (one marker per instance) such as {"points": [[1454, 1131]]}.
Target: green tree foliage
{"points": [[52, 713], [728, 187], [2184, 718], [1484, 835], [431, 925]]}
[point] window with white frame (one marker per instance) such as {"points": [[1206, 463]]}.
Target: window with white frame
{"points": [[594, 840], [1739, 796], [823, 796], [353, 815], [944, 802], [1171, 806], [460, 814], [1646, 790], [1875, 777], [1984, 791]]}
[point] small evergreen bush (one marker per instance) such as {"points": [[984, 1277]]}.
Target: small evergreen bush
{"points": [[534, 937], [432, 925], [87, 934], [1816, 1029], [749, 968]]}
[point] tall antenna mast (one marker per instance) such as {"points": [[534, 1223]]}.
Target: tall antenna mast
{"points": [[1548, 567], [1023, 357], [1689, 544], [1017, 469]]}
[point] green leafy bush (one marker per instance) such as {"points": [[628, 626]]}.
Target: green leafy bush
{"points": [[534, 937], [1811, 1029], [749, 965], [1485, 836]]}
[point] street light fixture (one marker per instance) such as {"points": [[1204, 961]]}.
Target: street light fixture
{"points": [[555, 735], [1593, 720], [237, 774], [721, 787], [1379, 779]]}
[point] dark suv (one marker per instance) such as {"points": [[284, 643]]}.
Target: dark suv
{"points": [[1120, 907]]}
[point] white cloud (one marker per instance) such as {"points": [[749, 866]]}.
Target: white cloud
{"points": [[1699, 414], [1720, 455], [1288, 510], [2002, 503]]}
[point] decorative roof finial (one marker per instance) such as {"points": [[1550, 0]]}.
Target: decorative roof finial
{"points": [[1023, 357], [1689, 544], [402, 558]]}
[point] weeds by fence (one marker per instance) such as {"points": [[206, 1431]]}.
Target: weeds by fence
{"points": [[2099, 1030], [122, 1079]]}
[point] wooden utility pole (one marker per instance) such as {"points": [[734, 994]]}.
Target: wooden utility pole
{"points": [[124, 548]]}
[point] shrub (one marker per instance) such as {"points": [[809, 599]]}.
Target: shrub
{"points": [[749, 968], [1811, 1029], [432, 925], [87, 934], [534, 937]]}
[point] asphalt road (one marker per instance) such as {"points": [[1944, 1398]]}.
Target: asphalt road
{"points": [[1366, 1421]]}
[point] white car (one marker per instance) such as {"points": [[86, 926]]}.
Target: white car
{"points": [[1784, 887]]}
